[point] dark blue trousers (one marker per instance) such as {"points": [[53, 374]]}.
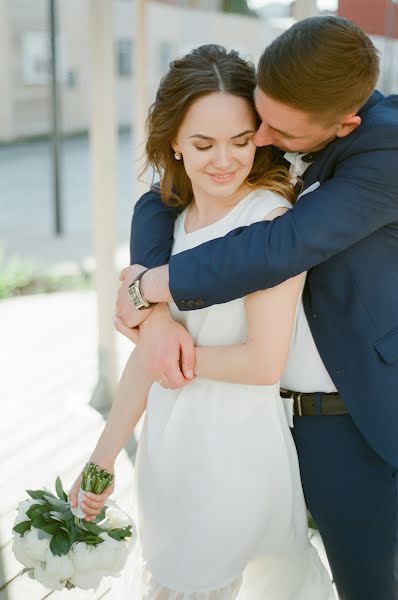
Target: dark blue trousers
{"points": [[352, 495]]}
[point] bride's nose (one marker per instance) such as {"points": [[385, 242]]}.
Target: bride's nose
{"points": [[222, 158]]}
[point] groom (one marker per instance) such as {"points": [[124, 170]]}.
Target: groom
{"points": [[316, 98]]}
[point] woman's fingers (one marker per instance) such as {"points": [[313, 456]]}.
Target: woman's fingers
{"points": [[92, 504], [73, 492], [130, 333]]}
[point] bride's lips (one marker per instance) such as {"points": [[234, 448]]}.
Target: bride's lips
{"points": [[222, 178]]}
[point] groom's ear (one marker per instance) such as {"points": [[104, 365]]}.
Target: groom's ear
{"points": [[347, 125]]}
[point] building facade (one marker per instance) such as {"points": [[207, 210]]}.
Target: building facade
{"points": [[171, 30], [377, 17]]}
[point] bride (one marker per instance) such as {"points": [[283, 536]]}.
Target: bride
{"points": [[219, 505]]}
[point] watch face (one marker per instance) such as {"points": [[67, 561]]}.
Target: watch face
{"points": [[136, 298]]}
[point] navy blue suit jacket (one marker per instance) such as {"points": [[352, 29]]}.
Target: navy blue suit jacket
{"points": [[345, 234]]}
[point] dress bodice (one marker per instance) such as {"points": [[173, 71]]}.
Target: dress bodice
{"points": [[212, 325]]}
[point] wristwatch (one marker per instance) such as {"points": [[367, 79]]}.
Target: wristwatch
{"points": [[136, 296]]}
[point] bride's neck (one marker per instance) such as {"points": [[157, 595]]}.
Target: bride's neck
{"points": [[206, 209]]}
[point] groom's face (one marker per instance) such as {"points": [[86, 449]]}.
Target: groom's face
{"points": [[288, 128]]}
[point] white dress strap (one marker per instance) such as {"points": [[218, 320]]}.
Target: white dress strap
{"points": [[258, 205]]}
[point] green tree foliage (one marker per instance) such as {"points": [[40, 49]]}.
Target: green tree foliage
{"points": [[237, 6]]}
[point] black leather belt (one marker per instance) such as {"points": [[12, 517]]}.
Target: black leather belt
{"points": [[310, 405]]}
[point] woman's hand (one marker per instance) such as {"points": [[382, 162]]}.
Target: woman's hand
{"points": [[91, 503]]}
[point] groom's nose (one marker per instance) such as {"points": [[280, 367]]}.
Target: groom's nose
{"points": [[263, 136]]}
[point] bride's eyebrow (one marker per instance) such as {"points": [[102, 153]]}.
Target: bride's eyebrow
{"points": [[206, 137]]}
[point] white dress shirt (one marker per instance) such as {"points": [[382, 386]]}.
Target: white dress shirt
{"points": [[304, 370]]}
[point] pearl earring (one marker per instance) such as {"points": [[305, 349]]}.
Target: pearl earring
{"points": [[177, 156]]}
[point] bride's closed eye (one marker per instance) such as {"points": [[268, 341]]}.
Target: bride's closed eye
{"points": [[238, 145]]}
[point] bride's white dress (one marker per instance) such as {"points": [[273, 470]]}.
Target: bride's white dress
{"points": [[219, 504]]}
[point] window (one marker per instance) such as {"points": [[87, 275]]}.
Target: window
{"points": [[124, 57]]}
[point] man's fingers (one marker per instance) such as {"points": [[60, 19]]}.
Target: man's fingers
{"points": [[123, 273], [164, 382], [174, 375], [187, 357]]}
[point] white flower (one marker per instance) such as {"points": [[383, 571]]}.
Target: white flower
{"points": [[25, 505], [19, 550], [115, 519], [84, 556], [112, 555], [87, 579], [37, 543], [61, 566], [49, 580], [23, 508]]}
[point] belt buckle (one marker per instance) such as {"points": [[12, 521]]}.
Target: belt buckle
{"points": [[299, 407]]}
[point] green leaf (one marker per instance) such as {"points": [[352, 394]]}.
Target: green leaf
{"points": [[59, 545], [41, 522], [93, 528], [101, 515], [58, 504], [47, 516], [60, 490], [120, 534], [52, 529], [73, 537], [22, 527], [62, 516], [37, 494], [92, 539], [36, 510], [81, 526], [65, 529]]}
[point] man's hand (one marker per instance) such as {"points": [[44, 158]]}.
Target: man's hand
{"points": [[167, 349], [125, 310]]}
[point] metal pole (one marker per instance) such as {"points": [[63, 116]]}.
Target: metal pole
{"points": [[56, 121]]}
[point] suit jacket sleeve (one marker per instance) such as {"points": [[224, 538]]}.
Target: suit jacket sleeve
{"points": [[360, 198], [152, 231]]}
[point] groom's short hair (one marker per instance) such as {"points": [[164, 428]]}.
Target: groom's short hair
{"points": [[326, 66]]}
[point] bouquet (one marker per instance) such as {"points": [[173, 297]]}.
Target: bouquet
{"points": [[61, 550]]}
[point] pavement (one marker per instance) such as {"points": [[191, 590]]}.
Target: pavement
{"points": [[27, 211]]}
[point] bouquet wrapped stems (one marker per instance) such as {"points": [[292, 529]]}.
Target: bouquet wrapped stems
{"points": [[95, 480]]}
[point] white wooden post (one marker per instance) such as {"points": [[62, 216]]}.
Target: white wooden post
{"points": [[140, 96], [304, 8], [6, 87], [103, 147]]}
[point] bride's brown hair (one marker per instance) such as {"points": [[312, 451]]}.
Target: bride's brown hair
{"points": [[205, 70]]}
